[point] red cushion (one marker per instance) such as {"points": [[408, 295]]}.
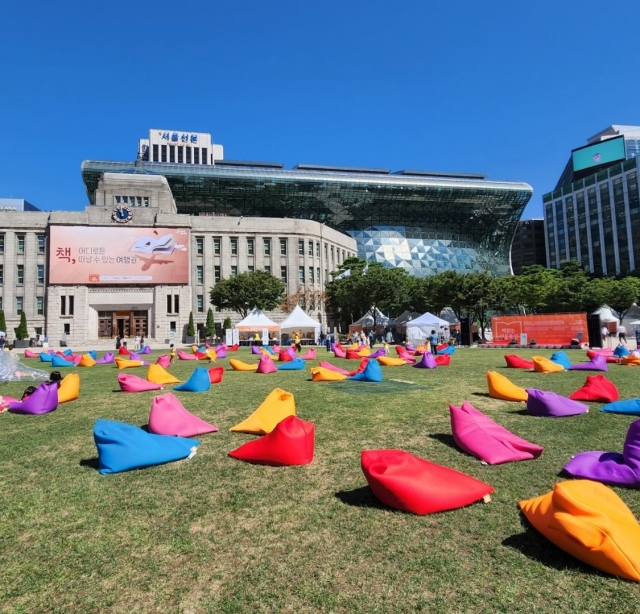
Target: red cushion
{"points": [[215, 375], [284, 356], [123, 351], [411, 484], [353, 355], [443, 360], [517, 362], [597, 388]]}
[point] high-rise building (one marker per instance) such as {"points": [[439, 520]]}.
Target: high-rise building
{"points": [[529, 246]]}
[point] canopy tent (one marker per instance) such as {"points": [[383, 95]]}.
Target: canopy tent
{"points": [[298, 320], [256, 321], [405, 316], [606, 315], [366, 321], [420, 328]]}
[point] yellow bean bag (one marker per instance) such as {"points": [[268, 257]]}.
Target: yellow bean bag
{"points": [[501, 388], [123, 363], [389, 361], [320, 374], [86, 361], [212, 354], [69, 388], [194, 349], [364, 352], [159, 375], [238, 365], [354, 346], [278, 405], [421, 348], [630, 361], [544, 365], [589, 521]]}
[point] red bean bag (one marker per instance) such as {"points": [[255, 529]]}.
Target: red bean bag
{"points": [[123, 351], [215, 374], [284, 356], [597, 388], [411, 484], [517, 362], [443, 360], [291, 442], [353, 355], [608, 355], [233, 348]]}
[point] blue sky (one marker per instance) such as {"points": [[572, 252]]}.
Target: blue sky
{"points": [[501, 88]]}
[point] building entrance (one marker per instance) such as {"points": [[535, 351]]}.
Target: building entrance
{"points": [[123, 323]]}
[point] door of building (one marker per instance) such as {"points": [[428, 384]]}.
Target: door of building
{"points": [[139, 319], [123, 325], [105, 327]]}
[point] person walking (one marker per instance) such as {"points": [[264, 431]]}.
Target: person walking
{"points": [[433, 340], [605, 335], [118, 342], [622, 334]]}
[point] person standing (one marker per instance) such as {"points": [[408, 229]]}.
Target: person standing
{"points": [[118, 342], [605, 335], [433, 340], [622, 334]]}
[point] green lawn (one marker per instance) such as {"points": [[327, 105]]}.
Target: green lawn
{"points": [[218, 535]]}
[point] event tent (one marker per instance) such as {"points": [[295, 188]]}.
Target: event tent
{"points": [[256, 321], [298, 320], [366, 321], [420, 328]]}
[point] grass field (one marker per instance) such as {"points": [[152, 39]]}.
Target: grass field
{"points": [[213, 534]]}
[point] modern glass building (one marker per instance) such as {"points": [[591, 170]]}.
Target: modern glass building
{"points": [[421, 221], [593, 215]]}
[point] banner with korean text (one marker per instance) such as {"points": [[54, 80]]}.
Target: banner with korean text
{"points": [[552, 329], [118, 255]]}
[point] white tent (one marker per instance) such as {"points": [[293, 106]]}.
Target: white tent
{"points": [[420, 328], [298, 320], [366, 321], [256, 321]]}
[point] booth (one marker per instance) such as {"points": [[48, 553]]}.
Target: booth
{"points": [[299, 321], [257, 322], [419, 330]]}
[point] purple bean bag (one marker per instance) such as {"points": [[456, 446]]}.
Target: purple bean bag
{"points": [[107, 359], [611, 467], [597, 363], [378, 352], [146, 350], [134, 356], [410, 348], [43, 400], [256, 349], [481, 437], [221, 351], [550, 404], [163, 360], [427, 361]]}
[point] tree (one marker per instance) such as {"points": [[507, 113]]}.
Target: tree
{"points": [[621, 294], [307, 298], [246, 291], [191, 329], [210, 326], [22, 332], [3, 322], [226, 325]]}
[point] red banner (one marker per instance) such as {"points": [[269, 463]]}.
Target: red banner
{"points": [[552, 329]]}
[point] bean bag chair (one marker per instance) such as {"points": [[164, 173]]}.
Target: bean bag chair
{"points": [[631, 407], [43, 400], [408, 357], [338, 352], [353, 355], [58, 362], [202, 356], [426, 362], [164, 360], [221, 352], [122, 447], [276, 407], [544, 365], [450, 349], [442, 360], [389, 361], [133, 383], [87, 361], [608, 354], [198, 382], [134, 356], [146, 350], [320, 374], [328, 365], [124, 363], [268, 348], [266, 364], [403, 350], [256, 349], [93, 354], [620, 351], [481, 437], [597, 388], [379, 352], [169, 417], [69, 388], [4, 402], [411, 348], [361, 367], [123, 351], [107, 359], [291, 442], [212, 354], [549, 404], [597, 363], [293, 365], [238, 365], [411, 484], [310, 354], [215, 374], [611, 467], [590, 522], [501, 388], [184, 356], [284, 356], [364, 351], [371, 373], [46, 357], [75, 359], [560, 358], [517, 362], [234, 348], [30, 354], [68, 352], [630, 361], [158, 375]]}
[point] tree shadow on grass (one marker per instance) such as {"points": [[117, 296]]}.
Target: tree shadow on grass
{"points": [[93, 463], [360, 497]]}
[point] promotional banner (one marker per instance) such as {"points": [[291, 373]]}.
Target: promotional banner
{"points": [[552, 329], [118, 255]]}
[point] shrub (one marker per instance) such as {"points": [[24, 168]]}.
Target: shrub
{"points": [[22, 332], [191, 329]]}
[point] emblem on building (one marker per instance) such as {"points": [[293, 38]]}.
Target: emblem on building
{"points": [[122, 214]]}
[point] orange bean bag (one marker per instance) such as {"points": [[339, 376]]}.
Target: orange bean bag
{"points": [[630, 361], [86, 361], [389, 361], [276, 407], [517, 362], [501, 388], [544, 365], [590, 522], [320, 374], [69, 389], [159, 375], [238, 365]]}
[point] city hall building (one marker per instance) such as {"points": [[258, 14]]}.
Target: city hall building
{"points": [[161, 231]]}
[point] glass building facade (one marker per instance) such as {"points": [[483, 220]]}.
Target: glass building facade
{"points": [[424, 222]]}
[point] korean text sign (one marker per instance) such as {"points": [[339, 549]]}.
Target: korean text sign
{"points": [[556, 328], [118, 255]]}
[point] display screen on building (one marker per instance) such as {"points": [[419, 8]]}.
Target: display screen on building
{"points": [[604, 152], [118, 255]]}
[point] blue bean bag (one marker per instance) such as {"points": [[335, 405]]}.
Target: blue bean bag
{"points": [[621, 351], [58, 361], [371, 373], [560, 358], [67, 352], [198, 382], [93, 354], [270, 350], [292, 365], [122, 447], [631, 407], [450, 349], [45, 357]]}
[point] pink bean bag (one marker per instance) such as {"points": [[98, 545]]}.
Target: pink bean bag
{"points": [[266, 364], [408, 357], [169, 417], [481, 437], [133, 383], [338, 352], [164, 361], [30, 354], [75, 359], [328, 365], [310, 354], [221, 352], [184, 356]]}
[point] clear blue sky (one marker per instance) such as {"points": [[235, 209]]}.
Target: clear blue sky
{"points": [[504, 88]]}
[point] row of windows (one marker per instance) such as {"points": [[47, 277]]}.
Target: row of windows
{"points": [[20, 238], [20, 274], [312, 278], [133, 201], [190, 155], [20, 305]]}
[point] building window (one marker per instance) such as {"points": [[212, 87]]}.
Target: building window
{"points": [[301, 275], [234, 271], [342, 255], [172, 153], [283, 247], [41, 274], [200, 274], [318, 275], [234, 246], [63, 305], [267, 269], [250, 268], [21, 244], [176, 303], [145, 200], [164, 152], [155, 153], [1, 304], [200, 245], [20, 274], [1, 274], [180, 154], [169, 300], [317, 250], [300, 247], [71, 305], [67, 328], [41, 239], [216, 274], [310, 274], [283, 274], [267, 247], [332, 258], [204, 155], [1, 244], [200, 303], [19, 304], [196, 155], [39, 305], [188, 155], [326, 252], [310, 251], [216, 246], [250, 247]]}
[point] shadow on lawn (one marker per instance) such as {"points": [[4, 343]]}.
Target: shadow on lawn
{"points": [[360, 497], [447, 440], [92, 463]]}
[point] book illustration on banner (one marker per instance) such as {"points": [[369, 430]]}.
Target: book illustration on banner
{"points": [[156, 245]]}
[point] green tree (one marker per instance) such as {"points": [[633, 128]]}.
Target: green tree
{"points": [[621, 294], [481, 291], [22, 332], [3, 322], [246, 291], [210, 326], [191, 329], [226, 325]]}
